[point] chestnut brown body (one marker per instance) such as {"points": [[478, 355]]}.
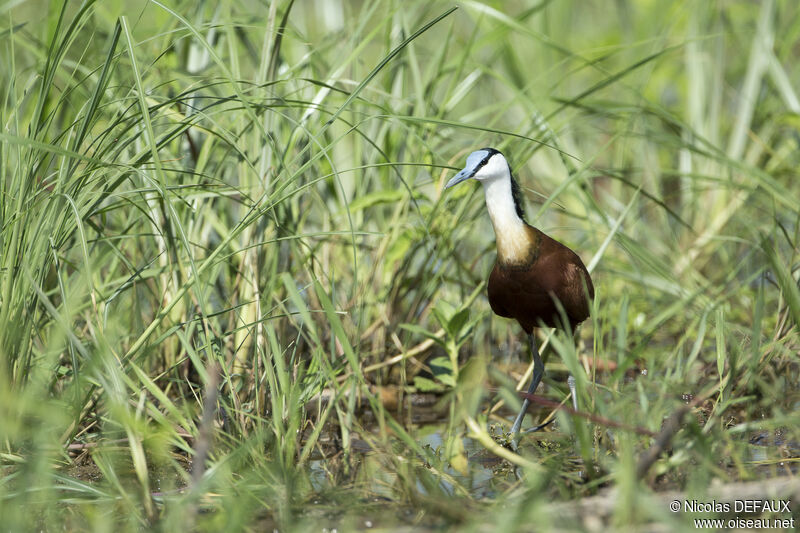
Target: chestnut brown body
{"points": [[527, 289]]}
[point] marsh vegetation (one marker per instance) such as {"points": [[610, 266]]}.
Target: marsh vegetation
{"points": [[240, 204]]}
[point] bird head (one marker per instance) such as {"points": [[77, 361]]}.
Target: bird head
{"points": [[483, 165], [490, 167]]}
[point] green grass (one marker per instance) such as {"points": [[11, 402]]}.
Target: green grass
{"points": [[260, 188]]}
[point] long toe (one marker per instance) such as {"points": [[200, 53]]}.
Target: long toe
{"points": [[540, 426]]}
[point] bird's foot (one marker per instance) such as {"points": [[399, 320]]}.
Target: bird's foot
{"points": [[539, 427], [504, 438], [513, 439]]}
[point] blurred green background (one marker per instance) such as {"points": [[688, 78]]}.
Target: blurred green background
{"points": [[248, 194]]}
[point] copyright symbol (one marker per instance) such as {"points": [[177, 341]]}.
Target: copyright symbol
{"points": [[674, 506]]}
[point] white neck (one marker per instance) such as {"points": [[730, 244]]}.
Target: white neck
{"points": [[509, 229]]}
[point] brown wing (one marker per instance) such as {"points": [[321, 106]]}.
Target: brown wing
{"points": [[529, 292]]}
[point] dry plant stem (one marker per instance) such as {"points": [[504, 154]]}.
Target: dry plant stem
{"points": [[533, 398], [671, 427], [418, 349], [664, 437]]}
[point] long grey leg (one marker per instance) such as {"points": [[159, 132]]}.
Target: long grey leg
{"points": [[538, 372]]}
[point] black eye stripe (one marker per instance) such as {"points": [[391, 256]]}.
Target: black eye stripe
{"points": [[489, 154]]}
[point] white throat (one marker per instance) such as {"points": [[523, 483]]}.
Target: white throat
{"points": [[510, 230]]}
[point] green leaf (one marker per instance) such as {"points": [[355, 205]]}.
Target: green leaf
{"points": [[443, 312], [457, 456], [783, 277], [427, 385], [338, 328], [419, 330], [381, 197], [457, 322], [720, 342], [442, 368], [398, 248], [464, 334]]}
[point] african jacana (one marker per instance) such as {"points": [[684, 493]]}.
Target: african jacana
{"points": [[536, 280]]}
